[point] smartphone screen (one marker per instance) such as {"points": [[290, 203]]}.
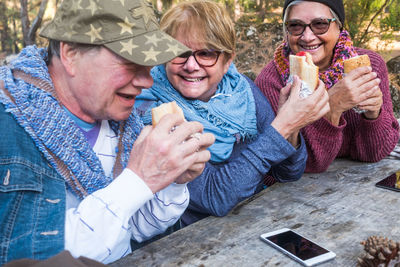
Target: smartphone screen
{"points": [[391, 182], [297, 245]]}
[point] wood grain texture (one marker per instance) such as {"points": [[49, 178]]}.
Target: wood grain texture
{"points": [[337, 209]]}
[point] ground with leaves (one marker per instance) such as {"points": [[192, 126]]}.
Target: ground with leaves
{"points": [[255, 46]]}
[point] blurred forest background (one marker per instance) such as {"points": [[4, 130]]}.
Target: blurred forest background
{"points": [[370, 22], [373, 24]]}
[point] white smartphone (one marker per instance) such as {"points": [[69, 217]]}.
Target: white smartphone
{"points": [[297, 247]]}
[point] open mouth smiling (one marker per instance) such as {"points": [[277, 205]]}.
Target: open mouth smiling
{"points": [[126, 96], [310, 47], [198, 79]]}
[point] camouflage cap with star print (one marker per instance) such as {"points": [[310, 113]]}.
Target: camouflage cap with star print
{"points": [[127, 27]]}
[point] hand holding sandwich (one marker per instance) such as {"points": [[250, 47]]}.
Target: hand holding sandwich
{"points": [[173, 150], [295, 112], [359, 88]]}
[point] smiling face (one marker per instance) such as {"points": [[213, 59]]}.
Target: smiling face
{"points": [[103, 85], [319, 46], [192, 80]]}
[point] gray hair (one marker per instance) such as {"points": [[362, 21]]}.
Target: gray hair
{"points": [[300, 1], [53, 48]]}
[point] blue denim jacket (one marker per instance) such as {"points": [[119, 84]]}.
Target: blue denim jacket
{"points": [[32, 197]]}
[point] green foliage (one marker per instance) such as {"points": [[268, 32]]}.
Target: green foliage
{"points": [[358, 14], [11, 35], [366, 19], [392, 20]]}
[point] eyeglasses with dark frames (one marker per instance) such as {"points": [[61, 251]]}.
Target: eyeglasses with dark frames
{"points": [[204, 57], [318, 26]]}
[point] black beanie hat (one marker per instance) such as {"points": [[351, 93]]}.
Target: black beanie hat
{"points": [[335, 5]]}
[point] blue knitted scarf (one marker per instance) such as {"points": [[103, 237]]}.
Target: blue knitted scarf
{"points": [[230, 114], [52, 130]]}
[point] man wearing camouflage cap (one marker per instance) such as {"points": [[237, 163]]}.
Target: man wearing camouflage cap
{"points": [[77, 169]]}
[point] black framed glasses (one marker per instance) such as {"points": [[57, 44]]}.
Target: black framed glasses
{"points": [[317, 26], [204, 57]]}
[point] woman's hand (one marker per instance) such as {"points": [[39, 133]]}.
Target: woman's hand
{"points": [[372, 105], [359, 88], [295, 112]]}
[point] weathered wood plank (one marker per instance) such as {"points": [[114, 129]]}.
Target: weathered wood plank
{"points": [[337, 209]]}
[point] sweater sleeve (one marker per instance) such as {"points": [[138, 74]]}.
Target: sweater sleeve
{"points": [[374, 139], [291, 168], [323, 140], [222, 186]]}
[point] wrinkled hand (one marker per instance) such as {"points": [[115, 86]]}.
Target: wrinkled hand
{"points": [[203, 157], [295, 112], [372, 105], [359, 88], [161, 156]]}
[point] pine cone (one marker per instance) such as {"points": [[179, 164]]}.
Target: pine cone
{"points": [[379, 252]]}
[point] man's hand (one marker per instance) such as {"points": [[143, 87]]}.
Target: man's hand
{"points": [[161, 155], [203, 156]]}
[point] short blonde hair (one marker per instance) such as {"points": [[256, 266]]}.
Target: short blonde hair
{"points": [[203, 21]]}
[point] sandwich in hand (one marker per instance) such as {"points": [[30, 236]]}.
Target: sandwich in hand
{"points": [[302, 65], [171, 107], [356, 62], [167, 108]]}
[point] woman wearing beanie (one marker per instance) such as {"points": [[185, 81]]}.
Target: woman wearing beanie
{"points": [[370, 135]]}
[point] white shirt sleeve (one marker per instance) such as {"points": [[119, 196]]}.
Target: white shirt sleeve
{"points": [[161, 212], [101, 226]]}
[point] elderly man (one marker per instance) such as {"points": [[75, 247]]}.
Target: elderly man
{"points": [[77, 171]]}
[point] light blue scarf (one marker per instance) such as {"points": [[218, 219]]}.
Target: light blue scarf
{"points": [[54, 132], [230, 114]]}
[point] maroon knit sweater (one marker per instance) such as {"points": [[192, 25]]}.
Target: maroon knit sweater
{"points": [[355, 137]]}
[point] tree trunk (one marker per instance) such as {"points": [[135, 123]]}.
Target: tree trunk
{"points": [[159, 6], [15, 38], [29, 32], [261, 8], [237, 10], [24, 21], [37, 22], [230, 6], [4, 31], [381, 9]]}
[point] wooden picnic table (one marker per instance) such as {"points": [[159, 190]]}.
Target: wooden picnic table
{"points": [[337, 209]]}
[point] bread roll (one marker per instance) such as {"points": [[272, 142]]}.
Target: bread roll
{"points": [[356, 62], [158, 112], [302, 65], [397, 180]]}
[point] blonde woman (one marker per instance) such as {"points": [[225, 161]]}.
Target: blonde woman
{"points": [[250, 141]]}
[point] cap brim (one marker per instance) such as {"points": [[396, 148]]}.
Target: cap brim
{"points": [[149, 49]]}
